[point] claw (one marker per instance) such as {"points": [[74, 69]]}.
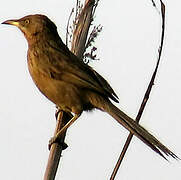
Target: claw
{"points": [[53, 140]]}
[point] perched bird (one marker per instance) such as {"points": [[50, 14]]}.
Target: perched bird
{"points": [[70, 83]]}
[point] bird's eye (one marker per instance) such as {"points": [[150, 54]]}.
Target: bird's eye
{"points": [[27, 21]]}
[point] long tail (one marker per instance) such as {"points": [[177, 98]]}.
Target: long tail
{"points": [[134, 128]]}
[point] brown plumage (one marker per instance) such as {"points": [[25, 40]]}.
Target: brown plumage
{"points": [[69, 83]]}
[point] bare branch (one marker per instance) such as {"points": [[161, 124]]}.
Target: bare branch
{"points": [[56, 148]]}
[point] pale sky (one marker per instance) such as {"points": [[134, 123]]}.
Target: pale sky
{"points": [[127, 48]]}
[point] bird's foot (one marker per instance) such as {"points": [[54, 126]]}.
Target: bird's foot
{"points": [[57, 140]]}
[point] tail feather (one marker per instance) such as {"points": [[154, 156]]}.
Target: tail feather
{"points": [[136, 129]]}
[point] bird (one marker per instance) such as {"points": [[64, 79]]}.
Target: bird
{"points": [[69, 83]]}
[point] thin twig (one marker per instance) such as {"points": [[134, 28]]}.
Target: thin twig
{"points": [[155, 6], [146, 96], [67, 33], [153, 2], [95, 6]]}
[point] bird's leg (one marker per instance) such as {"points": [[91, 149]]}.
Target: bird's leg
{"points": [[57, 112], [58, 135], [76, 116]]}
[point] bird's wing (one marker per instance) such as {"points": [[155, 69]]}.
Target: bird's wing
{"points": [[104, 83], [70, 69]]}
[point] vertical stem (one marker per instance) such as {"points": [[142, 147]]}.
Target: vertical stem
{"points": [[56, 149]]}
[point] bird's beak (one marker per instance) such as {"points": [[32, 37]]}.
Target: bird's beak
{"points": [[11, 22]]}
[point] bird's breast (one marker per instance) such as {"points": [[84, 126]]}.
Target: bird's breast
{"points": [[63, 94]]}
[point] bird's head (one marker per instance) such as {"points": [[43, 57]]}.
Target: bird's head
{"points": [[34, 26]]}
